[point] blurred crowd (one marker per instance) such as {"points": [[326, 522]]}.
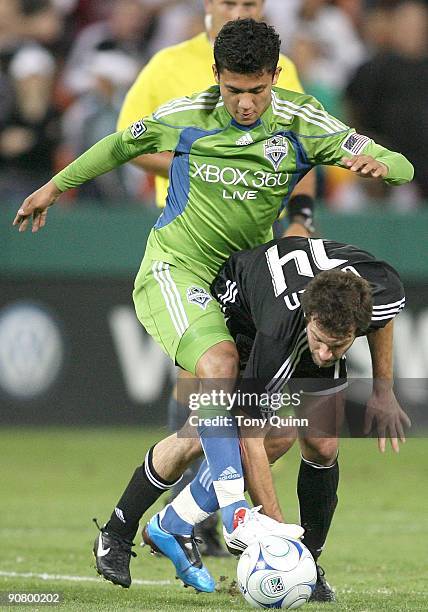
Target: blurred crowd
{"points": [[66, 65]]}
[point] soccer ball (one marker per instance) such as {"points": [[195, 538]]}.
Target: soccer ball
{"points": [[277, 573]]}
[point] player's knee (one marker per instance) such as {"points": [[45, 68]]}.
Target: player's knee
{"points": [[220, 361], [322, 451], [277, 446]]}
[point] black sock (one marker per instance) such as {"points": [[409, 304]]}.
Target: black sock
{"points": [[144, 488], [317, 492]]}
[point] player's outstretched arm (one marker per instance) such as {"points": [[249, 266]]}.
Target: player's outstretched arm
{"points": [[383, 408], [105, 155]]}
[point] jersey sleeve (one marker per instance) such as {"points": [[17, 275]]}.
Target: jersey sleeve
{"points": [[143, 136], [328, 141], [388, 298]]}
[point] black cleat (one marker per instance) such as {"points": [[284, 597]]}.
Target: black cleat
{"points": [[322, 591], [210, 544], [112, 556]]}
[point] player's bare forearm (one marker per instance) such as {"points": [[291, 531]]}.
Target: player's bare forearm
{"points": [[156, 163], [258, 477], [381, 351]]}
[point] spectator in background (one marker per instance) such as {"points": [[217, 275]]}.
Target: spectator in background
{"points": [[128, 29], [285, 15], [29, 123], [326, 49], [376, 27], [94, 114], [177, 21], [27, 21], [387, 96], [40, 21]]}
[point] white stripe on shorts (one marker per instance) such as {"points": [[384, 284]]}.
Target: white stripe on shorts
{"points": [[171, 296]]}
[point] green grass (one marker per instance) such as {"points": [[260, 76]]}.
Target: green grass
{"points": [[52, 482]]}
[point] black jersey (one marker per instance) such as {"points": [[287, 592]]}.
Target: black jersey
{"points": [[260, 293]]}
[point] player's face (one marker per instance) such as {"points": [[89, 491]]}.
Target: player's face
{"points": [[326, 349], [222, 11], [246, 96]]}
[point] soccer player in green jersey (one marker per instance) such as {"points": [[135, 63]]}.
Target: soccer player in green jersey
{"points": [[239, 149]]}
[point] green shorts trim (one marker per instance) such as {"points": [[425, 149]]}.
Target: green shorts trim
{"points": [[178, 311]]}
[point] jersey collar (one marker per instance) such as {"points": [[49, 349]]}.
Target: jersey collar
{"points": [[264, 120]]}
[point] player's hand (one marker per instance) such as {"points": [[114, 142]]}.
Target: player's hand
{"points": [[366, 166], [390, 419], [36, 206]]}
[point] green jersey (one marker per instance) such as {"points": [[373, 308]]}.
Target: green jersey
{"points": [[228, 182]]}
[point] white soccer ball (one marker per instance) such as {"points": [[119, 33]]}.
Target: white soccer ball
{"points": [[277, 573]]}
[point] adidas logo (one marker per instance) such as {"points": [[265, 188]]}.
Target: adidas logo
{"points": [[229, 474], [118, 512], [244, 140]]}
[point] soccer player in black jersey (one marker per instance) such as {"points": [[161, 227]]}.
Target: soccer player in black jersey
{"points": [[294, 306]]}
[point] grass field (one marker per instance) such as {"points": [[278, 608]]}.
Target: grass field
{"points": [[52, 483]]}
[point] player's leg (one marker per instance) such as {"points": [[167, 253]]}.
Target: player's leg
{"points": [[162, 467], [218, 370], [168, 303], [319, 478], [176, 308], [178, 412]]}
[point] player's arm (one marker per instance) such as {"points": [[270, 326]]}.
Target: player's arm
{"points": [[267, 355], [333, 143], [141, 100], [379, 162], [383, 406], [258, 475], [301, 204], [300, 208], [105, 155], [156, 163]]}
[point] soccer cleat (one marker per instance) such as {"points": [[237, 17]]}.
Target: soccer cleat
{"points": [[250, 526], [184, 554], [210, 544], [112, 557], [322, 591]]}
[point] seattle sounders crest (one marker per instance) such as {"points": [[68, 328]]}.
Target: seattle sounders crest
{"points": [[275, 149], [198, 296]]}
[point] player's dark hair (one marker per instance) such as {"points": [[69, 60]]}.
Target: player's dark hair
{"points": [[246, 46], [340, 302]]}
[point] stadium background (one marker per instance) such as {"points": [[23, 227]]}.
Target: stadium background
{"points": [[78, 374]]}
